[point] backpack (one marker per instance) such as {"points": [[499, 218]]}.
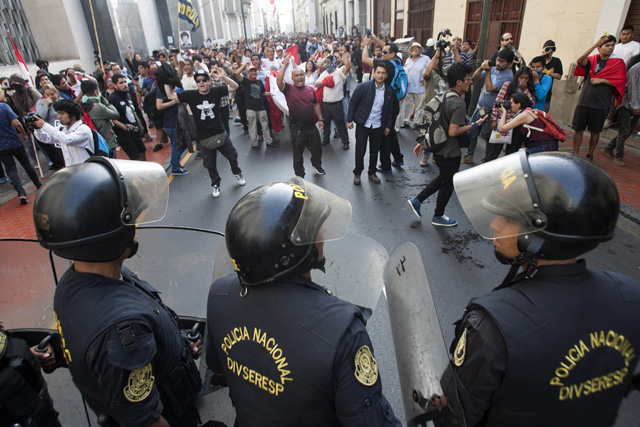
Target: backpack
{"points": [[100, 146], [149, 102], [400, 82], [435, 136], [551, 127]]}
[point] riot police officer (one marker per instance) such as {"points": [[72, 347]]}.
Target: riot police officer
{"points": [[291, 353], [556, 344], [123, 346], [24, 397]]}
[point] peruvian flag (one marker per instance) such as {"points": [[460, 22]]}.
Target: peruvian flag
{"points": [[293, 51], [24, 70]]}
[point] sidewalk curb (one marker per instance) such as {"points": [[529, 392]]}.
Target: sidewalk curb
{"points": [[630, 213]]}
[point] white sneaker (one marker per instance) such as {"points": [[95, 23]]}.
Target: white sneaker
{"points": [[216, 191], [240, 179]]}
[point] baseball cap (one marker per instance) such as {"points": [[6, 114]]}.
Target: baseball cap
{"points": [[200, 73]]}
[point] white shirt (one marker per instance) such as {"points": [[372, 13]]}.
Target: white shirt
{"points": [[627, 51], [271, 65], [73, 141], [311, 80], [336, 93], [189, 83], [375, 117], [414, 69]]}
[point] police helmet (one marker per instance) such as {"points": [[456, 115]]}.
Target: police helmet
{"points": [[88, 212], [567, 201], [271, 232]]}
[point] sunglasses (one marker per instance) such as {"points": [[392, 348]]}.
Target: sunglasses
{"points": [[201, 80], [510, 38], [549, 49], [386, 52]]}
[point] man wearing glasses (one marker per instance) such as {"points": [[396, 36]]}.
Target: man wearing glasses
{"points": [[506, 42]]}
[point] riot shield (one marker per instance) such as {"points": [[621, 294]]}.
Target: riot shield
{"points": [[354, 269], [421, 354]]}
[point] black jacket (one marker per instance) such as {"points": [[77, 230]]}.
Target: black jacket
{"points": [[362, 102]]}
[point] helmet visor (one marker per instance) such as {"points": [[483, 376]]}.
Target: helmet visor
{"points": [[324, 215], [499, 190], [147, 191]]}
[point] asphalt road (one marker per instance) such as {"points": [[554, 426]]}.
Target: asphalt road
{"points": [[459, 264]]}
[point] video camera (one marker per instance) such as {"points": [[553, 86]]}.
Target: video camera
{"points": [[442, 44]]}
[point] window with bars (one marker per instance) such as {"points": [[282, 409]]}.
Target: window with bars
{"points": [[505, 17], [14, 21], [421, 20]]}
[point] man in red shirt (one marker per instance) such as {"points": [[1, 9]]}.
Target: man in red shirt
{"points": [[303, 111]]}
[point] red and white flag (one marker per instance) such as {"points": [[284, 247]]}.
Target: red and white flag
{"points": [[24, 70]]}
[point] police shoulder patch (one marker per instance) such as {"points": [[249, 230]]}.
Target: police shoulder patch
{"points": [[366, 367], [140, 384], [461, 349]]}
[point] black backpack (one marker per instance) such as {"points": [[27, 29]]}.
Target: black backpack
{"points": [[149, 102], [437, 129]]}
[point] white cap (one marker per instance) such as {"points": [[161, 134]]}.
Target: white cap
{"points": [[431, 42]]}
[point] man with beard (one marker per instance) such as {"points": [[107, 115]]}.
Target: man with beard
{"points": [[126, 126]]}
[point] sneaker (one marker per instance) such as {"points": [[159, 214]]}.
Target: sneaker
{"points": [[216, 191], [320, 170], [3, 180], [24, 200], [444, 221], [619, 161], [336, 135], [374, 178], [608, 152], [385, 170], [356, 179], [397, 164], [467, 160], [589, 156], [245, 132], [158, 147], [272, 145], [179, 172], [414, 204], [240, 179], [345, 146], [404, 125], [325, 143], [424, 161]]}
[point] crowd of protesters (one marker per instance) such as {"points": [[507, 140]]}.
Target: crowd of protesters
{"points": [[173, 91]]}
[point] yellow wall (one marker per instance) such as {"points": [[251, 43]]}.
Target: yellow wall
{"points": [[570, 23], [449, 14]]}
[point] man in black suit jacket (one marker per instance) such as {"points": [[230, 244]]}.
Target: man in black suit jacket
{"points": [[371, 107]]}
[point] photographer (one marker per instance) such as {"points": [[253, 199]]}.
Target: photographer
{"points": [[523, 82], [535, 139], [75, 138], [127, 129]]}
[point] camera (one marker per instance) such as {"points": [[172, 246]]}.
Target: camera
{"points": [[134, 129], [31, 118], [506, 104], [442, 44]]}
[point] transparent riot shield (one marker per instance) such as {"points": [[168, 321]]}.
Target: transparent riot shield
{"points": [[354, 269]]}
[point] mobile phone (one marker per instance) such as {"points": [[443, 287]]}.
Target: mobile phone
{"points": [[368, 32]]}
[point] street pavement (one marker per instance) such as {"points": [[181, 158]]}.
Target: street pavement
{"points": [[459, 264]]}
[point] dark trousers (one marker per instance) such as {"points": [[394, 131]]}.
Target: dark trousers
{"points": [[334, 111], [390, 145], [242, 111], [443, 184], [305, 138], [209, 160], [374, 136], [53, 153], [628, 123], [6, 157], [224, 115]]}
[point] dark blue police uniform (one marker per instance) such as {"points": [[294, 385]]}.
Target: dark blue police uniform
{"points": [[555, 350], [293, 355], [125, 351]]}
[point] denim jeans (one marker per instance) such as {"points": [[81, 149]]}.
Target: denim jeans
{"points": [[7, 159], [175, 153]]}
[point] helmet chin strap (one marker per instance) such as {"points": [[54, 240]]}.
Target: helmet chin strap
{"points": [[133, 245], [531, 245], [319, 264]]}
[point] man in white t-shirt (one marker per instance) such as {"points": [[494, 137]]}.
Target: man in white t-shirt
{"points": [[270, 63], [627, 48], [332, 80], [188, 80]]}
